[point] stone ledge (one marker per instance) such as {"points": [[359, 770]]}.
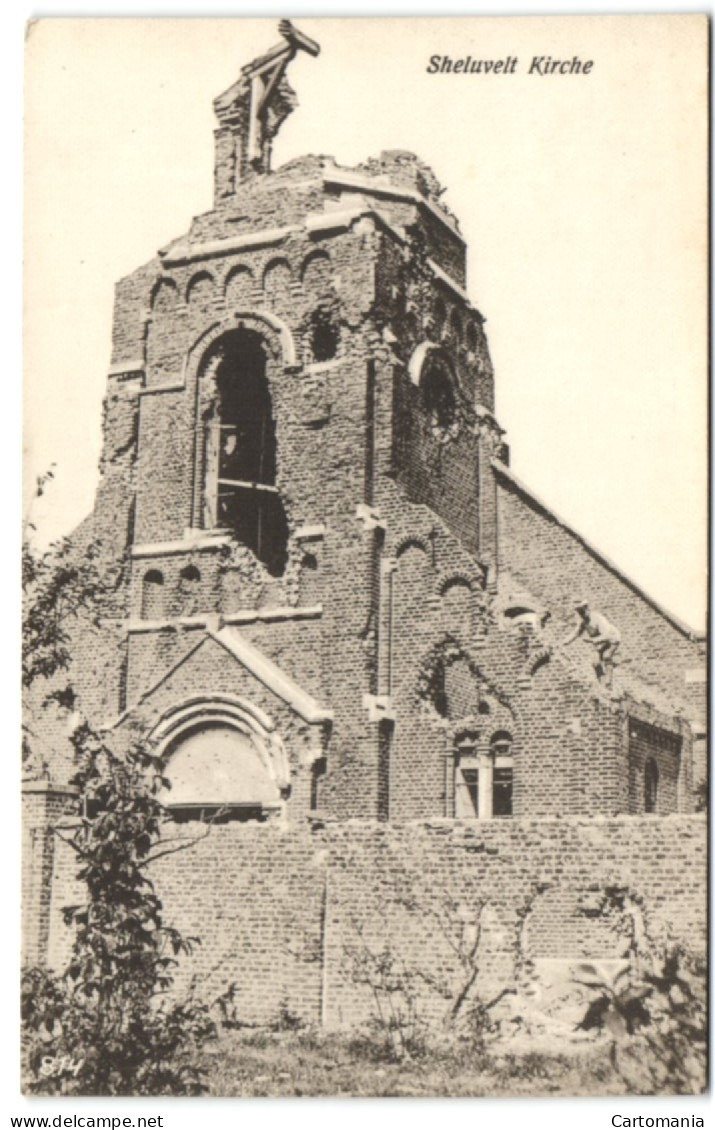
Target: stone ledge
{"points": [[379, 707], [186, 545], [249, 616], [379, 187], [310, 533], [132, 368], [369, 517]]}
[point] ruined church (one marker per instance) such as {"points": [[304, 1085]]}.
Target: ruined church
{"points": [[391, 682], [336, 600]]}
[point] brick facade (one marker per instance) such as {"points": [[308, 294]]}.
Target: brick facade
{"points": [[404, 531], [367, 640]]}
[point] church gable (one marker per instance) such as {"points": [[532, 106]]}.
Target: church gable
{"points": [[236, 730]]}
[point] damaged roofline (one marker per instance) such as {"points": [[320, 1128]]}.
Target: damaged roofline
{"points": [[537, 504], [180, 254], [392, 191]]}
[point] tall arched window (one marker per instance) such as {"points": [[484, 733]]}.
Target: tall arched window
{"points": [[240, 453], [467, 777], [502, 773], [650, 785]]}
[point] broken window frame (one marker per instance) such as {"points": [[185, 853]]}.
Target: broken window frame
{"points": [[241, 505]]}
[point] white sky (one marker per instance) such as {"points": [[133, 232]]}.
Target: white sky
{"points": [[583, 200]]}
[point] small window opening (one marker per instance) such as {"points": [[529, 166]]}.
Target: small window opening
{"points": [[650, 785], [324, 342], [501, 790], [189, 580], [324, 331], [316, 777], [153, 595], [439, 402]]}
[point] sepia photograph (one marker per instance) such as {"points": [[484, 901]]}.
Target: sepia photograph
{"points": [[364, 561]]}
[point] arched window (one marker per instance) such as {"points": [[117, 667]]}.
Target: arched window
{"points": [[438, 399], [153, 605], [223, 756], [482, 779], [650, 785], [217, 770], [189, 581], [466, 777], [502, 773], [324, 337], [317, 773], [240, 455]]}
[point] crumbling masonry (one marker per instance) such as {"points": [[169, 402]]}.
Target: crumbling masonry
{"points": [[333, 604]]}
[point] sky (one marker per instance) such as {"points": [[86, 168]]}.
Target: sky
{"points": [[582, 198]]}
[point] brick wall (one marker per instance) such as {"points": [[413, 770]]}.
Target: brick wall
{"points": [[46, 870], [281, 910]]}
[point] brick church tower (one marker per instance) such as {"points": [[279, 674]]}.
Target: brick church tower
{"points": [[339, 601]]}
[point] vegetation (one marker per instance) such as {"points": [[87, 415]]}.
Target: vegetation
{"points": [[656, 1021], [107, 1025], [653, 1010], [310, 1062], [58, 585]]}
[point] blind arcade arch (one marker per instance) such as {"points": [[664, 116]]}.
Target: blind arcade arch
{"points": [[223, 757]]}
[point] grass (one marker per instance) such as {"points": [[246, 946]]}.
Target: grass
{"points": [[283, 1064]]}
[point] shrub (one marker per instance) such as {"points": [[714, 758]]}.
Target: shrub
{"points": [[107, 1025], [656, 1019]]}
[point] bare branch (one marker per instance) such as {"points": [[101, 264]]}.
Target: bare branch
{"points": [[181, 845]]}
